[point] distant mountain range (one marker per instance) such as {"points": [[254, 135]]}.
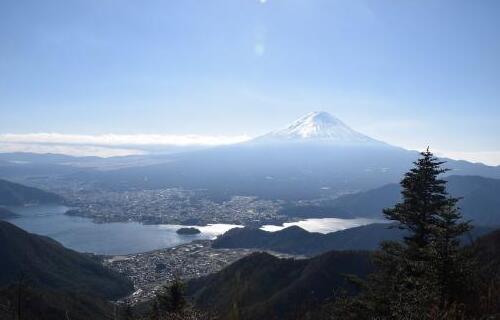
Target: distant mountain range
{"points": [[14, 194], [480, 201], [315, 156], [58, 282], [295, 240]]}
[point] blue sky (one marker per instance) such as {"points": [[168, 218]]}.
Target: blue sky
{"points": [[411, 73]]}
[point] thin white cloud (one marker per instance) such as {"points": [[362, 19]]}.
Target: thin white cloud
{"points": [[491, 158], [72, 150], [122, 140], [108, 145]]}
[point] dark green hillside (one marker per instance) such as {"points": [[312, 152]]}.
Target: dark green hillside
{"points": [[14, 194], [45, 304], [295, 240], [47, 264], [262, 286], [488, 249]]}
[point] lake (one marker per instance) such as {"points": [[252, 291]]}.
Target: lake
{"points": [[117, 238], [324, 225]]}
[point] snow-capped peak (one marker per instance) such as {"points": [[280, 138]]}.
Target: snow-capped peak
{"points": [[318, 126]]}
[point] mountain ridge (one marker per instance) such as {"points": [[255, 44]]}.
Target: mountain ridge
{"points": [[307, 164], [295, 240], [50, 265], [479, 203], [15, 194], [261, 286]]}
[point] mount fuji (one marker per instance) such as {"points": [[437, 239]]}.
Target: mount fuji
{"points": [[315, 156], [318, 127]]}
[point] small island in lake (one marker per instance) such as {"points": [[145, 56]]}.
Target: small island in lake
{"points": [[188, 231]]}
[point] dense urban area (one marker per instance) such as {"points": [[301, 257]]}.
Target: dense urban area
{"points": [[173, 206], [150, 271], [162, 206]]}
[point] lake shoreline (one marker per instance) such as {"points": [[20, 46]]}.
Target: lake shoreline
{"points": [[121, 238]]}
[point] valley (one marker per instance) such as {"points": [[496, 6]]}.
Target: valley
{"points": [[292, 210], [127, 237], [150, 271], [249, 160]]}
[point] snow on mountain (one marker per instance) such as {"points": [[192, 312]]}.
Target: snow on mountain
{"points": [[318, 127]]}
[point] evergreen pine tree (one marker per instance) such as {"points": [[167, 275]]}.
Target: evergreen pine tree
{"points": [[422, 277], [424, 197], [453, 264]]}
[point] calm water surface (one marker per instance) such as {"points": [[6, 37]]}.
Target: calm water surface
{"points": [[83, 235], [117, 238], [324, 225]]}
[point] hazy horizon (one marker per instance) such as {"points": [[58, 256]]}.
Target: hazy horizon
{"points": [[110, 145], [218, 72]]}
